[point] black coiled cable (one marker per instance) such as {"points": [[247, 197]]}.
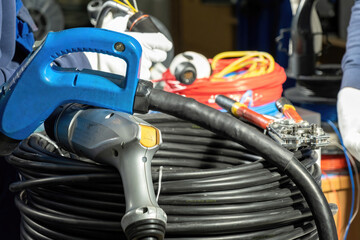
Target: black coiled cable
{"points": [[211, 188]]}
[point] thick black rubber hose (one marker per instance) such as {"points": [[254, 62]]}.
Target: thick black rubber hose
{"points": [[227, 126]]}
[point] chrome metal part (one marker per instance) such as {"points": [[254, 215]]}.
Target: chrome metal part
{"points": [[294, 135]]}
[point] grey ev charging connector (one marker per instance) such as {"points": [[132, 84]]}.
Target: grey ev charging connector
{"points": [[125, 142]]}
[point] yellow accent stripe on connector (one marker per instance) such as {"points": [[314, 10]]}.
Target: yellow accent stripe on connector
{"points": [[235, 107], [288, 106]]}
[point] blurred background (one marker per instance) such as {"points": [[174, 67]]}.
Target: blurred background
{"points": [[212, 26]]}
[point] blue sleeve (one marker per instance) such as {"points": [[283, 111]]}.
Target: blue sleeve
{"points": [[351, 59], [7, 39], [25, 27], [16, 36]]}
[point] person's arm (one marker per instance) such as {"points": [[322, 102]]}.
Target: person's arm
{"points": [[348, 105], [7, 39], [351, 59]]}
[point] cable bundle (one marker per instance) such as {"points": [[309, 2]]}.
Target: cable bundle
{"points": [[127, 3], [233, 74], [210, 188]]}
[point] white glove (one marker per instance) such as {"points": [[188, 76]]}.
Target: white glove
{"points": [[154, 49], [349, 119]]}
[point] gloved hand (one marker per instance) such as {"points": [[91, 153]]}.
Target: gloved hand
{"points": [[349, 119], [154, 49]]}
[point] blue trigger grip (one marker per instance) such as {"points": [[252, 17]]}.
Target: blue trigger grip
{"points": [[39, 86]]}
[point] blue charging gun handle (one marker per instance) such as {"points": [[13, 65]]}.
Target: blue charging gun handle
{"points": [[40, 86]]}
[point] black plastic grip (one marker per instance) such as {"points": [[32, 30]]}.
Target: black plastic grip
{"points": [[140, 22]]}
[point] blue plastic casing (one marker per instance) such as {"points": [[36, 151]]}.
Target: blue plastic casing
{"points": [[40, 86]]}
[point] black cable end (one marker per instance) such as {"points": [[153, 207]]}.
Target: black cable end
{"points": [[224, 102], [140, 22], [281, 103], [185, 73]]}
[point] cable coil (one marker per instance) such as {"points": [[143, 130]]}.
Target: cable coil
{"points": [[233, 74], [211, 188]]}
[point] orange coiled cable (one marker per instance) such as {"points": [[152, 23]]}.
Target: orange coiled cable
{"points": [[266, 88]]}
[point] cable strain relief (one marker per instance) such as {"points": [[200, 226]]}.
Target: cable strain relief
{"points": [[146, 229], [141, 102]]}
